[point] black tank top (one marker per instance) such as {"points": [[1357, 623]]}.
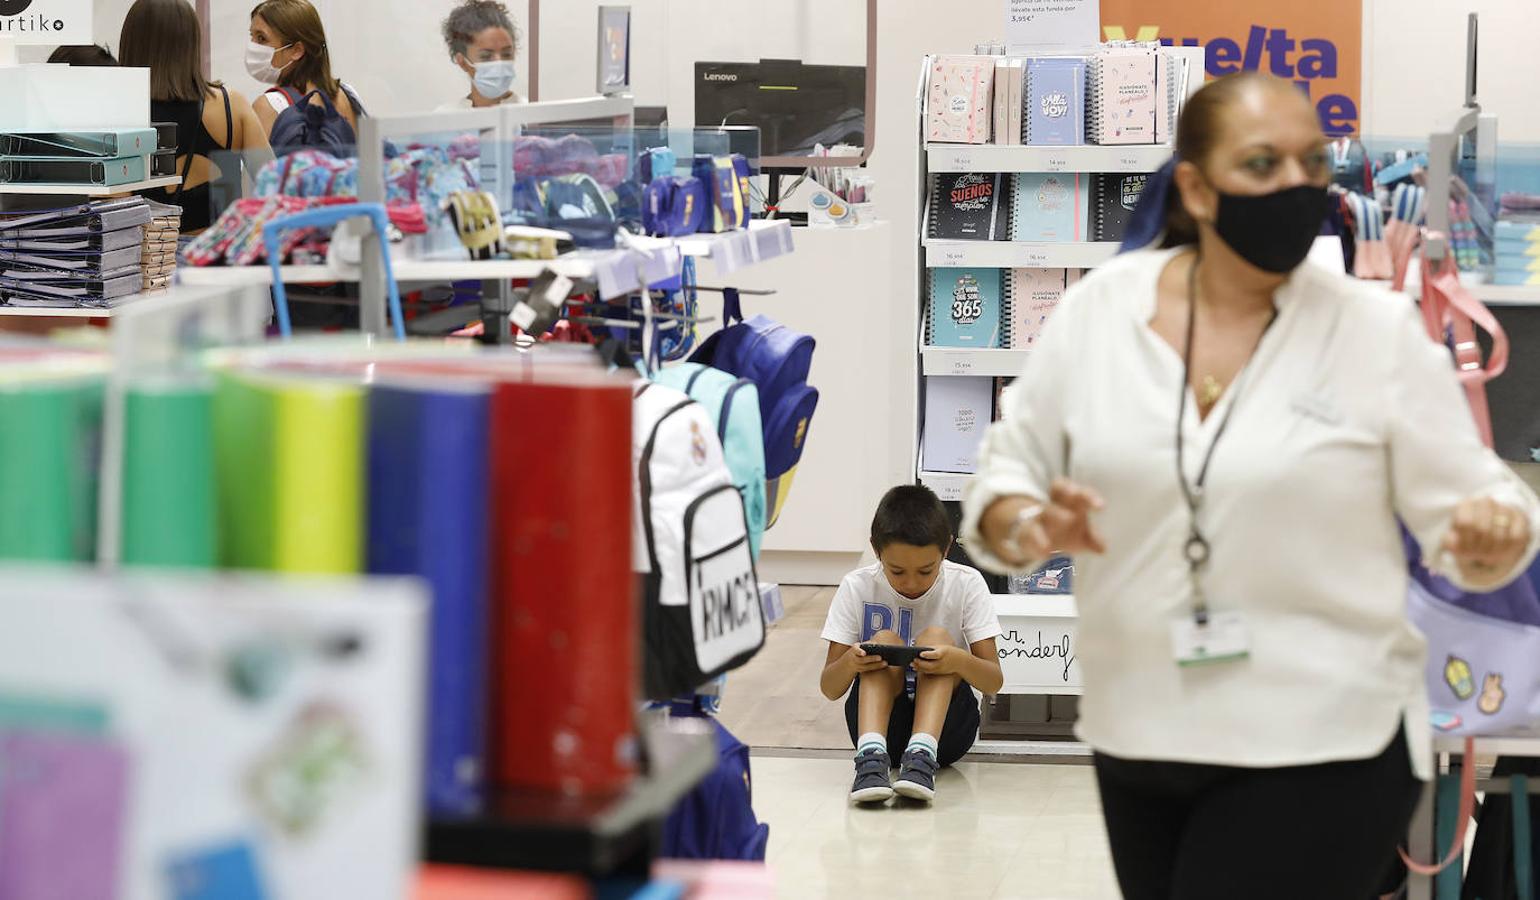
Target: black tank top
{"points": [[194, 140]]}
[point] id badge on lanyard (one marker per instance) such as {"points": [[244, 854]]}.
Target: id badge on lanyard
{"points": [[1204, 637]]}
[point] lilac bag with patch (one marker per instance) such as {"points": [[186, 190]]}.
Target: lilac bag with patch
{"points": [[1483, 670]]}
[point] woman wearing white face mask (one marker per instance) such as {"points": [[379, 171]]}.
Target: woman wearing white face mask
{"points": [[288, 50], [484, 44]]}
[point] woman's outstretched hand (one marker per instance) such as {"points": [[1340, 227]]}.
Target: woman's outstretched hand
{"points": [[1020, 529], [1486, 539]]}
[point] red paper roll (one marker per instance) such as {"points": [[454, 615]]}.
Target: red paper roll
{"points": [[565, 622]]}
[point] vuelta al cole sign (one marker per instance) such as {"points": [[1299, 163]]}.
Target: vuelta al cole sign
{"points": [[1317, 44], [47, 22]]}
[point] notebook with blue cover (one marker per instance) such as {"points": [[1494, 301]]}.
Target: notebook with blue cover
{"points": [[428, 477], [1051, 207], [1055, 106], [966, 308]]}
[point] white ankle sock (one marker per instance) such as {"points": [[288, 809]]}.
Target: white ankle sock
{"points": [[869, 741], [926, 742]]}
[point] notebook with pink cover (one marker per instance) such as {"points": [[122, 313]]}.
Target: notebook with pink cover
{"points": [[960, 100], [1124, 95], [1035, 293]]}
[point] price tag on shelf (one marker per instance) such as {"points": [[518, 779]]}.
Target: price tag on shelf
{"points": [[954, 256], [1037, 258], [1056, 164], [1052, 24], [1128, 162]]}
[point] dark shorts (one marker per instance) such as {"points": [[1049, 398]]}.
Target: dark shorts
{"points": [[957, 735]]}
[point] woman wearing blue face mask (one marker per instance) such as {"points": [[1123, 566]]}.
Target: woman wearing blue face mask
{"points": [[1226, 438], [484, 44]]}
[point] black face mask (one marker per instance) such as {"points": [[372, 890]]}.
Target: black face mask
{"points": [[1273, 232]]}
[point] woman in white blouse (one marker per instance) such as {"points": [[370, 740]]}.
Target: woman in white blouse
{"points": [[1253, 690]]}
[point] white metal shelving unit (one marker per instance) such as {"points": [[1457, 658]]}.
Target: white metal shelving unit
{"points": [[91, 190], [1029, 617]]}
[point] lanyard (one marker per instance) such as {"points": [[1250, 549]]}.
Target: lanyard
{"points": [[1197, 547]]}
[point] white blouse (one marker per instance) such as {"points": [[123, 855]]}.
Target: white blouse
{"points": [[1349, 417]]}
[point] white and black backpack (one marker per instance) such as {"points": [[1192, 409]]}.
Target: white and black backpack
{"points": [[701, 609]]}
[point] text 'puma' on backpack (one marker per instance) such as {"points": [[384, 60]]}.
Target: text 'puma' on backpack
{"points": [[302, 125], [734, 403], [777, 359], [701, 611]]}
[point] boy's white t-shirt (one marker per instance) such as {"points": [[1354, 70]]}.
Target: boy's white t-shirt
{"points": [[866, 603]]}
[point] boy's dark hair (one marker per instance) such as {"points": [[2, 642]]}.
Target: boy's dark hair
{"points": [[911, 514], [83, 55]]}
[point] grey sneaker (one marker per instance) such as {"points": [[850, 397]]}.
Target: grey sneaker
{"points": [[917, 777], [871, 784]]}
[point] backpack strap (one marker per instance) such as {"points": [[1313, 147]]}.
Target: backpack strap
{"points": [[1447, 304], [286, 98], [732, 307], [1464, 809]]}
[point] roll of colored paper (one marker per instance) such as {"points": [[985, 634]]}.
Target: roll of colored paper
{"points": [[168, 475], [290, 459], [319, 453], [565, 623], [244, 419], [50, 453], [428, 466]]}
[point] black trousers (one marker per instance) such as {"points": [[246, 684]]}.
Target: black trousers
{"points": [[1181, 831], [957, 735]]}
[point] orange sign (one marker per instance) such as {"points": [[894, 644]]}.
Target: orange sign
{"points": [[1318, 44]]}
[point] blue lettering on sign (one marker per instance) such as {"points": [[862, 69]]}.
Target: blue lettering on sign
{"points": [[879, 617], [1275, 51]]}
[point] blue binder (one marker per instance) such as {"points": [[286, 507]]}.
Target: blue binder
{"points": [[428, 476]]}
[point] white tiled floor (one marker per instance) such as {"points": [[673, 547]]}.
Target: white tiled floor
{"points": [[1002, 830]]}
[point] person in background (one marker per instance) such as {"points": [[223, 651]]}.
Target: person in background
{"points": [[165, 37], [484, 44], [1227, 439], [288, 50], [911, 597], [83, 55]]}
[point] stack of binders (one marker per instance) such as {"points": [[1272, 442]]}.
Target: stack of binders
{"points": [[78, 256], [85, 158]]}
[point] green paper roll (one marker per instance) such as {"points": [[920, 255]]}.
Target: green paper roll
{"points": [[243, 462], [168, 476], [290, 460], [50, 450]]}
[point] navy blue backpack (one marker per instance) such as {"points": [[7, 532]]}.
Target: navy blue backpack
{"points": [[306, 126], [778, 360], [716, 820]]}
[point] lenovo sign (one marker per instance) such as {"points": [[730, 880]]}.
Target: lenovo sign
{"points": [[47, 22]]}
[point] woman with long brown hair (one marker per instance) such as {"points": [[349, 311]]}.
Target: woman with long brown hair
{"points": [[288, 50], [165, 37]]}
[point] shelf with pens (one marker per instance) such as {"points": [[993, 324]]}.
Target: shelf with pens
{"points": [[337, 459]]}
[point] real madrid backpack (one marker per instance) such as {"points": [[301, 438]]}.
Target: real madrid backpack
{"points": [[701, 609]]}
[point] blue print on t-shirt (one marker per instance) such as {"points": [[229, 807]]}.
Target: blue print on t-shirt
{"points": [[879, 617]]}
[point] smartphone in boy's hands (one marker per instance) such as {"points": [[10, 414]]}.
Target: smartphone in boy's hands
{"points": [[895, 655]]}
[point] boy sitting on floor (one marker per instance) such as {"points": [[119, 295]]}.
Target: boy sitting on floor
{"points": [[912, 596]]}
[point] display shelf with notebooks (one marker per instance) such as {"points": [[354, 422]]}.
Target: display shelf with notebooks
{"points": [[1017, 254], [960, 361], [1084, 158]]}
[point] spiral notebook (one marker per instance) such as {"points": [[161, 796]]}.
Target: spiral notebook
{"points": [[1113, 199], [968, 206], [1124, 105], [1055, 109], [967, 309], [1034, 295], [1050, 208]]}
